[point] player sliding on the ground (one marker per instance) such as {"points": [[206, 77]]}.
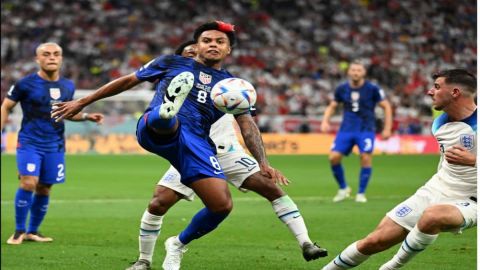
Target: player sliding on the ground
{"points": [[447, 202], [240, 169]]}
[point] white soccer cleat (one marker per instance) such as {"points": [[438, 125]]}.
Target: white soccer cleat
{"points": [[390, 265], [176, 93], [173, 257], [342, 194], [361, 198]]}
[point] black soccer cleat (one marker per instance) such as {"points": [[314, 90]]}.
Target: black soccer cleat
{"points": [[312, 251]]}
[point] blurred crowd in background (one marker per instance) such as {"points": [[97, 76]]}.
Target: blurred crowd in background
{"points": [[294, 52]]}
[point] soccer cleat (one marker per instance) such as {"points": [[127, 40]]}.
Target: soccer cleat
{"points": [[175, 94], [174, 254], [16, 238], [342, 194], [390, 265], [361, 198], [140, 265], [37, 237], [312, 252]]}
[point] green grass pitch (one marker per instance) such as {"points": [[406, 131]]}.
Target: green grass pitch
{"points": [[94, 217]]}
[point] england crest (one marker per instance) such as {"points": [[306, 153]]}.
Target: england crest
{"points": [[403, 211], [205, 78], [467, 141], [55, 93]]}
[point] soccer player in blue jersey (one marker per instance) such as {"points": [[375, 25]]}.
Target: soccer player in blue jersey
{"points": [[240, 170], [177, 123], [448, 201], [359, 98], [41, 142]]}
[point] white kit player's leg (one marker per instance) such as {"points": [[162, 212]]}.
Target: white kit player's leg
{"points": [[175, 94], [415, 242]]}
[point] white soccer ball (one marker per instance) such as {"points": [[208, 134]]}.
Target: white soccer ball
{"points": [[233, 95]]}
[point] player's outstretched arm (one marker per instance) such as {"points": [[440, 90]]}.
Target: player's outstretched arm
{"points": [[66, 110], [387, 108], [329, 111], [253, 140], [92, 117], [7, 106], [459, 155]]}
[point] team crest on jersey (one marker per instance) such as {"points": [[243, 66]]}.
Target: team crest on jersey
{"points": [[205, 78], [55, 93], [31, 167], [467, 141], [403, 211]]}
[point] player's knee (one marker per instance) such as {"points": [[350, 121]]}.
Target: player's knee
{"points": [[28, 183], [372, 244], [334, 158], [159, 205], [432, 217], [42, 189], [222, 206], [263, 186]]}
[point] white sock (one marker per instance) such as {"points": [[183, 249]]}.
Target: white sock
{"points": [[149, 230], [348, 258], [288, 213], [415, 242]]}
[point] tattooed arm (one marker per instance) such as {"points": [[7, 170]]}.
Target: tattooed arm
{"points": [[253, 140]]}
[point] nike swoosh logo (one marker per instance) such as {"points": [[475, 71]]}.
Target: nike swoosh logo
{"points": [[217, 172]]}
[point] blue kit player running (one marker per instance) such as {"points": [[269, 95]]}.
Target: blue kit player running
{"points": [[41, 142], [359, 98], [177, 123]]}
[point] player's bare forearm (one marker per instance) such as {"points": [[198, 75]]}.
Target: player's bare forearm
{"points": [[388, 115], [6, 108], [112, 88], [252, 138]]}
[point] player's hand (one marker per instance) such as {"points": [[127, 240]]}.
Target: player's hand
{"points": [[459, 155], [65, 110], [95, 117], [386, 134], [325, 127], [274, 174]]}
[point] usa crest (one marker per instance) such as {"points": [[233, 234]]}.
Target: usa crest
{"points": [[55, 93], [31, 167], [467, 141], [205, 78]]}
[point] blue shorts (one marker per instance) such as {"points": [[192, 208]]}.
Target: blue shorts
{"points": [[345, 141], [49, 167], [191, 155]]}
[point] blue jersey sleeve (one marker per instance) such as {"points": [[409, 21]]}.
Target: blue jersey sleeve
{"points": [[15, 92], [379, 94], [154, 70], [338, 94]]}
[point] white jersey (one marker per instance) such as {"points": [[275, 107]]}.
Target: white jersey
{"points": [[455, 181], [224, 136]]}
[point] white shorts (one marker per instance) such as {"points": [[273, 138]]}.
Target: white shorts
{"points": [[407, 213], [237, 166]]}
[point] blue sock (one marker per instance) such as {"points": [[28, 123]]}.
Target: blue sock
{"points": [[37, 212], [365, 174], [23, 201], [202, 223], [339, 175], [154, 120]]}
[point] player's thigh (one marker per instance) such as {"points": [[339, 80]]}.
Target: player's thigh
{"points": [[53, 168], [343, 143], [214, 193], [408, 212], [387, 234], [29, 162], [171, 180], [237, 167], [365, 141]]}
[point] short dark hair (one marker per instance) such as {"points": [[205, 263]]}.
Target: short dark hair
{"points": [[182, 46], [458, 76], [228, 29]]}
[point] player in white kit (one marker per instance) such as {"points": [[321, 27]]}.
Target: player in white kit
{"points": [[241, 170], [448, 201]]}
